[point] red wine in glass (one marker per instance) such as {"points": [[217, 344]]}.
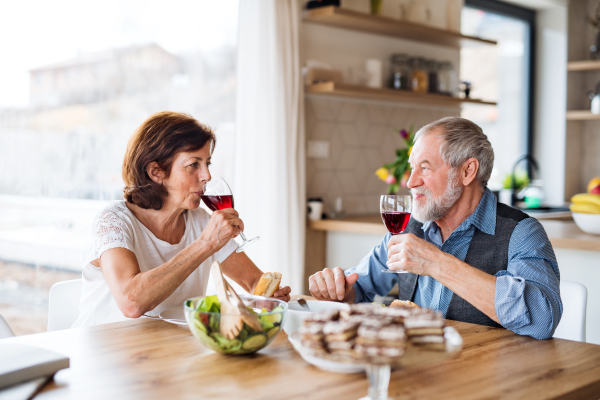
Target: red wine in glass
{"points": [[217, 195], [218, 202], [395, 221], [395, 213]]}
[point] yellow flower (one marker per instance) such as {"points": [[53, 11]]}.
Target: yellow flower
{"points": [[409, 150], [382, 173]]}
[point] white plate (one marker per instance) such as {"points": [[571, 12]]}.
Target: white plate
{"points": [[327, 365], [174, 315]]}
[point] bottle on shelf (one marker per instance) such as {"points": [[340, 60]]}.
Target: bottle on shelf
{"points": [[419, 75], [447, 79], [432, 76], [401, 77]]}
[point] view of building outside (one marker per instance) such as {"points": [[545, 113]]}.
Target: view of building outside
{"points": [[76, 79], [64, 126], [498, 73]]}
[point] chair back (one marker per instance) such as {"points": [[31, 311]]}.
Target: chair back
{"points": [[5, 331], [63, 304], [574, 300]]}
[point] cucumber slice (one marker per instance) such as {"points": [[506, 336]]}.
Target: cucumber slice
{"points": [[277, 317], [207, 340], [272, 332], [254, 342], [199, 325]]}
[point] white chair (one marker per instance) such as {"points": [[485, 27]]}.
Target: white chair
{"points": [[572, 323], [5, 331], [63, 304]]}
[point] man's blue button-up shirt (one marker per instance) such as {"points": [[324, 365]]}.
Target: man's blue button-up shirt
{"points": [[527, 293]]}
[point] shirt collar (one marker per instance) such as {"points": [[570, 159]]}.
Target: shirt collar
{"points": [[483, 218]]}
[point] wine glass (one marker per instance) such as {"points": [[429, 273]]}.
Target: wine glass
{"points": [[395, 213], [217, 195]]}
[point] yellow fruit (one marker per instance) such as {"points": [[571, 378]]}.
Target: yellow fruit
{"points": [[593, 183], [586, 198], [585, 208]]}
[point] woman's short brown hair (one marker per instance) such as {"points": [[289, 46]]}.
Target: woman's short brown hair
{"points": [[160, 138]]}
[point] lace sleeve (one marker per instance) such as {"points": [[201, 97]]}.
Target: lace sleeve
{"points": [[110, 231]]}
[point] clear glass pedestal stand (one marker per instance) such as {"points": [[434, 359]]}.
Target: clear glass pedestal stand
{"points": [[379, 381]]}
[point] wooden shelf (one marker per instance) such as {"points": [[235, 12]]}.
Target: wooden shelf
{"points": [[581, 115], [358, 21], [586, 65], [363, 92]]}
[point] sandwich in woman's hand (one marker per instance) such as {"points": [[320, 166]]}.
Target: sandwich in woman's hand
{"points": [[268, 284]]}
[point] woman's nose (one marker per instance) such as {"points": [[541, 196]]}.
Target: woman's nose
{"points": [[205, 175]]}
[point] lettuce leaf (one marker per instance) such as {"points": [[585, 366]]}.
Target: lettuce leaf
{"points": [[209, 304]]}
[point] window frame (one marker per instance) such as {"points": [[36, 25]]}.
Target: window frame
{"points": [[529, 17]]}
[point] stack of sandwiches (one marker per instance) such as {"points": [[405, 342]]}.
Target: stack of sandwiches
{"points": [[425, 329], [312, 338], [381, 340], [339, 337], [371, 331]]}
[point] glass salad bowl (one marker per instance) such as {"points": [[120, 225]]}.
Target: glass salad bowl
{"points": [[204, 320]]}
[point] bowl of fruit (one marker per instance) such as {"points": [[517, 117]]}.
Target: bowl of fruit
{"points": [[586, 208], [227, 333]]}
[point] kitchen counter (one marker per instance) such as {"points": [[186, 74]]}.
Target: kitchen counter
{"points": [[562, 234]]}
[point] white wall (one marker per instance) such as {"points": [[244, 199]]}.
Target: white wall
{"points": [[345, 250]]}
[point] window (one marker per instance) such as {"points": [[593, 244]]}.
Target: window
{"points": [[76, 79], [504, 73]]}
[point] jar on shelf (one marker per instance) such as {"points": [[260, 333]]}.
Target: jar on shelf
{"points": [[418, 74], [432, 76], [400, 77], [447, 79]]}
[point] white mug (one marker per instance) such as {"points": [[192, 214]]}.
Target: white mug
{"points": [[315, 210]]}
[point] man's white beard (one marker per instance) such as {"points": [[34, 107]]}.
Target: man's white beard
{"points": [[436, 207]]}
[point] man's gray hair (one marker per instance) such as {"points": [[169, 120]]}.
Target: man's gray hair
{"points": [[462, 139]]}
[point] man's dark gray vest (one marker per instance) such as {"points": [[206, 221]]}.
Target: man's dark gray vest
{"points": [[488, 253]]}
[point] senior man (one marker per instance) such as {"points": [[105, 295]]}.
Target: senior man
{"points": [[467, 256]]}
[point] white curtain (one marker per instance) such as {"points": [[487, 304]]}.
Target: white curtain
{"points": [[269, 184]]}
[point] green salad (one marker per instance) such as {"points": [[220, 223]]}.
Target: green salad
{"points": [[206, 328]]}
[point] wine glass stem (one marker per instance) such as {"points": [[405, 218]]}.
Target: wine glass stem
{"points": [[243, 237], [379, 380]]}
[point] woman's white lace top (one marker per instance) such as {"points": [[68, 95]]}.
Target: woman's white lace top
{"points": [[116, 226]]}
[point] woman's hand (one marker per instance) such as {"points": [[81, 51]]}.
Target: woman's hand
{"points": [[223, 226], [283, 293]]}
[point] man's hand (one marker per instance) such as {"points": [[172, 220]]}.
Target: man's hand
{"points": [[409, 253], [331, 284]]}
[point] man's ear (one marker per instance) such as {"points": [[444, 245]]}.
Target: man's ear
{"points": [[155, 172], [469, 171]]}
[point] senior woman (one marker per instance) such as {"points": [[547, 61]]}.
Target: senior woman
{"points": [[153, 250]]}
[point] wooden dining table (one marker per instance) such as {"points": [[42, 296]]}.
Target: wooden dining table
{"points": [[153, 359]]}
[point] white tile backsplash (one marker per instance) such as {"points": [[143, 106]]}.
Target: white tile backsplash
{"points": [[362, 138]]}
